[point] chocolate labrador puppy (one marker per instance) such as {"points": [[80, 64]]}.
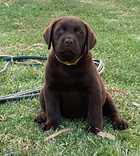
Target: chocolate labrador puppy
{"points": [[73, 87]]}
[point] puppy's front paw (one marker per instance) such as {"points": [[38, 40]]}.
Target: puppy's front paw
{"points": [[93, 130], [120, 124], [48, 125], [41, 118]]}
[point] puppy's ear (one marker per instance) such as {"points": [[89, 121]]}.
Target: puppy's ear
{"points": [[48, 33], [90, 37]]}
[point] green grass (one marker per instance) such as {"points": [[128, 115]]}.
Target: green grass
{"points": [[116, 23]]}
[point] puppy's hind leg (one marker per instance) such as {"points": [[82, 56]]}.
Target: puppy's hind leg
{"points": [[110, 111], [42, 116]]}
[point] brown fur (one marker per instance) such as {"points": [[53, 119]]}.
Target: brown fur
{"points": [[76, 90]]}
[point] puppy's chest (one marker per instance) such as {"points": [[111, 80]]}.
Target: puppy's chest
{"points": [[70, 78]]}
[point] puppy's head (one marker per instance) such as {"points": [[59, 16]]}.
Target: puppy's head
{"points": [[70, 37]]}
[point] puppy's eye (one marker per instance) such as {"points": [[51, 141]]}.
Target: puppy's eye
{"points": [[78, 30], [64, 28], [61, 30]]}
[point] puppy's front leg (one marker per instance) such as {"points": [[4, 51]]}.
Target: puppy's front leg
{"points": [[95, 116], [52, 103]]}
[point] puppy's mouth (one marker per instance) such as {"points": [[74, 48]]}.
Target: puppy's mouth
{"points": [[67, 55], [67, 58]]}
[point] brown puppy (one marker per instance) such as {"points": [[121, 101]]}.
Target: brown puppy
{"points": [[73, 87]]}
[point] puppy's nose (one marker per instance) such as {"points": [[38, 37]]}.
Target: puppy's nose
{"points": [[68, 41]]}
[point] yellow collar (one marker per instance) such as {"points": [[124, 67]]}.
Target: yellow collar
{"points": [[73, 62]]}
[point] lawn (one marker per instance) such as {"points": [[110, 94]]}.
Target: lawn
{"points": [[117, 25]]}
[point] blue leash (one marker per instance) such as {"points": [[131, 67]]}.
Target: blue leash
{"points": [[10, 59], [32, 92]]}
